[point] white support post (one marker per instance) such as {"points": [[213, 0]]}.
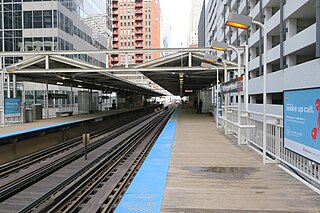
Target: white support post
{"points": [[264, 126], [126, 60], [8, 85], [277, 140], [14, 86], [217, 109], [71, 96], [2, 94], [107, 60], [190, 59], [239, 96], [47, 66], [212, 95], [225, 98], [47, 99]]}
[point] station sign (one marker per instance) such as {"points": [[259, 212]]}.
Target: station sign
{"points": [[12, 107], [301, 122], [235, 85]]}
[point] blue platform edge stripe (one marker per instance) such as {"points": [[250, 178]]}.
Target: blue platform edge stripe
{"points": [[11, 134], [146, 191], [37, 129]]}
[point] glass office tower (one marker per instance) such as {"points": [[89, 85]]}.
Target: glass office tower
{"points": [[28, 25]]}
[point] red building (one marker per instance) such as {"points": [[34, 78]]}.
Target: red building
{"points": [[136, 25]]}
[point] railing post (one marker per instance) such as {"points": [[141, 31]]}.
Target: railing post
{"points": [[277, 140], [239, 123], [226, 122], [248, 130]]}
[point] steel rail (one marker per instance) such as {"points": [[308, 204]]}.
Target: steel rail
{"points": [[90, 168], [15, 186], [111, 202], [72, 199], [26, 161]]}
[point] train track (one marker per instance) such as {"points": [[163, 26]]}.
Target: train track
{"points": [[19, 164], [22, 172], [101, 180]]}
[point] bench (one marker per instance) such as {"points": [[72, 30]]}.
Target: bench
{"points": [[68, 113]]}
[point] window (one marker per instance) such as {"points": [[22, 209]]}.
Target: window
{"points": [[37, 19], [47, 19], [8, 20]]}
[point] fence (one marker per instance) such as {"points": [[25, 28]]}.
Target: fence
{"points": [[305, 167]]}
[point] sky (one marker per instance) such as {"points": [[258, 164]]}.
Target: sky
{"points": [[176, 13]]}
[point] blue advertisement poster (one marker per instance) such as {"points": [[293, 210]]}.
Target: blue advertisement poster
{"points": [[301, 117], [12, 107], [219, 106]]}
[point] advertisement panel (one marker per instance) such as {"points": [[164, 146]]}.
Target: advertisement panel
{"points": [[12, 107], [301, 120]]}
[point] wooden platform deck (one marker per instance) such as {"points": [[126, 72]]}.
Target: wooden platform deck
{"points": [[209, 172]]}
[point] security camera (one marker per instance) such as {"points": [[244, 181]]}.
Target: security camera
{"points": [[219, 60]]}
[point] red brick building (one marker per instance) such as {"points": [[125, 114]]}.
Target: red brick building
{"points": [[136, 24]]}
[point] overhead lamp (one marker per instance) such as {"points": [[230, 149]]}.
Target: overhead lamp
{"points": [[220, 46], [206, 65], [59, 83], [80, 86], [11, 68], [239, 21], [210, 58]]}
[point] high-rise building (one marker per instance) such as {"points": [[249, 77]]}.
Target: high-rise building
{"points": [[166, 41], [193, 23], [136, 24], [30, 25], [202, 27], [293, 45]]}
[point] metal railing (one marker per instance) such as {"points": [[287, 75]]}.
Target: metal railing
{"points": [[308, 169]]}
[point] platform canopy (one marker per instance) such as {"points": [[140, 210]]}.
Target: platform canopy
{"points": [[181, 74], [64, 71]]}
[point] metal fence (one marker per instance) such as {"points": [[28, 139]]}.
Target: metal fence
{"points": [[304, 167]]}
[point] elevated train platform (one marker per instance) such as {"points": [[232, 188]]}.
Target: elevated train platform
{"points": [[194, 167]]}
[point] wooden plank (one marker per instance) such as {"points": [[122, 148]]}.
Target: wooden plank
{"points": [[211, 173]]}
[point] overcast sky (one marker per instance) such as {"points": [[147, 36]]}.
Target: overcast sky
{"points": [[176, 13]]}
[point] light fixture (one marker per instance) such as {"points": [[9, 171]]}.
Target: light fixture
{"points": [[206, 65], [220, 46], [210, 58], [239, 21], [80, 86], [59, 83], [11, 69]]}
